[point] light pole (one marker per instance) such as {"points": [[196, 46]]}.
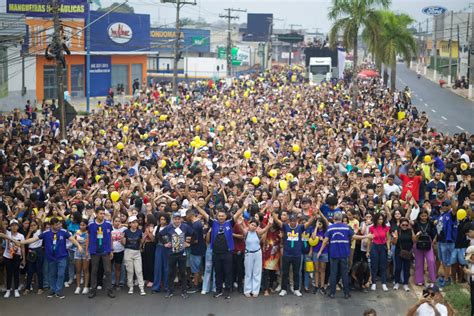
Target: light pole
{"points": [[88, 59]]}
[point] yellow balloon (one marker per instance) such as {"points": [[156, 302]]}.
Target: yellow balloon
{"points": [[232, 93], [156, 113], [321, 106], [193, 143], [273, 173], [427, 158], [163, 117], [162, 163], [197, 128], [254, 119], [238, 111], [202, 143], [296, 148], [145, 136], [247, 154], [283, 185], [120, 146], [220, 128], [169, 144], [227, 103], [255, 181], [464, 166], [214, 98], [313, 242], [102, 132], [125, 129], [175, 143], [272, 120], [233, 124], [97, 178], [289, 177], [197, 138], [119, 125], [461, 214], [114, 196]]}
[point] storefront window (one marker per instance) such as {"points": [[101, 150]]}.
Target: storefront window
{"points": [[137, 72], [77, 81], [50, 83], [120, 78]]}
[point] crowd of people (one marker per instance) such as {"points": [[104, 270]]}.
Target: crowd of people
{"points": [[232, 189]]}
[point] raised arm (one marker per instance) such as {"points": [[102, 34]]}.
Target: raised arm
{"points": [[200, 210], [277, 220], [241, 210]]}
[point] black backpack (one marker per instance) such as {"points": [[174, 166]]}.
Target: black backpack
{"points": [[424, 241]]}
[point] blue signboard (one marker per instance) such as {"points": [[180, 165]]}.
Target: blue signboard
{"points": [[120, 32], [434, 10], [42, 8], [192, 40], [101, 77], [259, 26]]}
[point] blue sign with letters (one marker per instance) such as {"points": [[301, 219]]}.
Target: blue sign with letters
{"points": [[120, 32], [434, 10], [101, 77], [42, 8]]}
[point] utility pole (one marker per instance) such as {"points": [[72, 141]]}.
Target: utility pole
{"points": [[435, 51], [291, 44], [177, 55], [458, 62], [450, 46], [471, 57], [88, 59], [58, 49], [229, 18]]}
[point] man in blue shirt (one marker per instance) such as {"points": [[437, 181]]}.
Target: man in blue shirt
{"points": [[54, 241], [339, 237], [292, 251], [198, 248], [100, 249], [446, 228]]}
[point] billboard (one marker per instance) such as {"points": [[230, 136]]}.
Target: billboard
{"points": [[240, 55], [194, 40], [100, 70], [42, 8], [120, 32], [258, 27], [40, 34]]}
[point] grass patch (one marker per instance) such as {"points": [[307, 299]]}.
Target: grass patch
{"points": [[458, 298]]}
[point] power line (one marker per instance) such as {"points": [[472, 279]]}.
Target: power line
{"points": [[229, 18]]}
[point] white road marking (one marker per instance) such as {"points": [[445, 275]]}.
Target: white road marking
{"points": [[433, 110], [426, 104], [444, 118], [460, 127], [421, 99]]}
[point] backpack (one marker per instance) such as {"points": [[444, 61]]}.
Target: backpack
{"points": [[424, 241]]}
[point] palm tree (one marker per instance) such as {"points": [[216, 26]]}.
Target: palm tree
{"points": [[350, 17], [395, 39]]}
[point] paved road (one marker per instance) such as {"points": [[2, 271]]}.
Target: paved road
{"points": [[390, 303], [447, 111]]}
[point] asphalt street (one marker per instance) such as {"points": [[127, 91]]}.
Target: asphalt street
{"points": [[389, 303], [447, 111]]}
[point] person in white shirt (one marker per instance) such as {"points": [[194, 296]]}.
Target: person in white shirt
{"points": [[14, 257], [389, 187], [432, 304]]}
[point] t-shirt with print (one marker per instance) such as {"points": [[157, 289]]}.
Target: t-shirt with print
{"points": [[177, 236], [132, 239], [410, 184], [304, 239], [292, 245], [12, 249], [117, 234], [55, 244], [340, 236]]}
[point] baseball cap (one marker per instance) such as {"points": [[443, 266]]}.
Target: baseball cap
{"points": [[446, 203], [14, 221], [176, 214], [132, 218]]}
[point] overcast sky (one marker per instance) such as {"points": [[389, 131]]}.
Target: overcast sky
{"points": [[311, 14]]}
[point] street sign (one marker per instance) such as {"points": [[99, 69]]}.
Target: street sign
{"points": [[239, 56], [434, 10], [290, 38]]}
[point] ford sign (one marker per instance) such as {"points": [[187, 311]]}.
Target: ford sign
{"points": [[434, 10], [120, 33]]}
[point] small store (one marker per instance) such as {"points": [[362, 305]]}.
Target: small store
{"points": [[120, 45]]}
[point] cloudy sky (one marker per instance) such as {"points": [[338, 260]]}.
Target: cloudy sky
{"points": [[311, 14]]}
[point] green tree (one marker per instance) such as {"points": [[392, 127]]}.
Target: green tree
{"points": [[396, 39], [350, 17], [124, 8]]}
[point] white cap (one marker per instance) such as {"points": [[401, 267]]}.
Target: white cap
{"points": [[132, 218]]}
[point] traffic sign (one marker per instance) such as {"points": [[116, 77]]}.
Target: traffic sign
{"points": [[291, 37]]}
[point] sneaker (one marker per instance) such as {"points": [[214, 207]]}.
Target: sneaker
{"points": [[60, 295], [347, 296], [315, 290], [235, 285], [396, 286], [323, 291], [7, 294], [66, 284], [92, 293], [169, 295], [384, 287], [406, 288], [99, 287], [142, 292], [77, 291], [85, 291], [283, 293], [50, 294], [203, 292], [219, 294], [130, 290], [184, 295], [278, 288], [110, 293], [248, 295], [192, 290], [297, 293], [227, 297], [373, 287]]}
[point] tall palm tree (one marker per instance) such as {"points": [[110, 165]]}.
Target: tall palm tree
{"points": [[350, 17], [396, 39]]}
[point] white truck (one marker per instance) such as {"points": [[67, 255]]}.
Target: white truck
{"points": [[319, 69]]}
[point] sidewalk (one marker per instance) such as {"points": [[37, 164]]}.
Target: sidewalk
{"points": [[430, 74]]}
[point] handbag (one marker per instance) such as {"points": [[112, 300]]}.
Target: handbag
{"points": [[309, 266], [406, 254], [32, 256]]}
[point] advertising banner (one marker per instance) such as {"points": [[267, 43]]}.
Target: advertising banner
{"points": [[192, 40], [42, 8], [101, 68], [120, 32]]}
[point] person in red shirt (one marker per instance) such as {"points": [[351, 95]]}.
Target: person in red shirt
{"points": [[410, 182]]}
